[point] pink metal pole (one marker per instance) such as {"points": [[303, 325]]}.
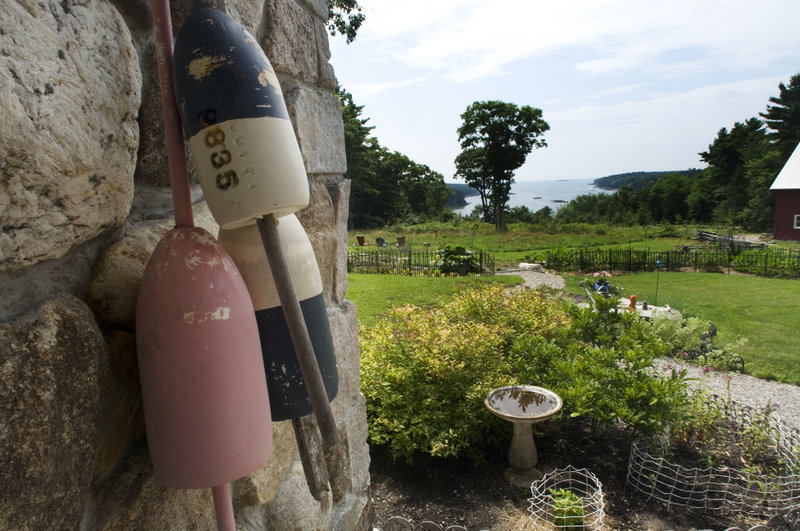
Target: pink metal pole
{"points": [[223, 507], [179, 183], [176, 154]]}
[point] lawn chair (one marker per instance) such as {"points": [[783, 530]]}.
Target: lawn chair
{"points": [[380, 242]]}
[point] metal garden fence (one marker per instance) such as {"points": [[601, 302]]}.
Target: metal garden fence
{"points": [[774, 263], [410, 262]]}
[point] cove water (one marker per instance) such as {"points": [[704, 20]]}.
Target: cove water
{"points": [[538, 194]]}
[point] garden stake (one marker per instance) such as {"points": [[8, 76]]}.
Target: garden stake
{"points": [[658, 270], [205, 405]]}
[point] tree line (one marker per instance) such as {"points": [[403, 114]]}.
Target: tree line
{"points": [[388, 188], [732, 190]]}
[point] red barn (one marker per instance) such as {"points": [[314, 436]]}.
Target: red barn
{"points": [[787, 199]]}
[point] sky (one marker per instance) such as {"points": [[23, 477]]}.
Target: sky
{"points": [[625, 85]]}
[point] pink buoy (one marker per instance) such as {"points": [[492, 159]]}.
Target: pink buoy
{"points": [[205, 399]]}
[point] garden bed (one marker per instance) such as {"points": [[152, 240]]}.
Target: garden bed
{"points": [[456, 492], [751, 459]]}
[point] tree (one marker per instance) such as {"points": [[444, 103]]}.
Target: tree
{"points": [[385, 186], [759, 214], [784, 117], [496, 138], [345, 18], [361, 151], [726, 158]]}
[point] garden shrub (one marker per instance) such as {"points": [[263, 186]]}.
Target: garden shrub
{"points": [[425, 372], [681, 336], [456, 260]]}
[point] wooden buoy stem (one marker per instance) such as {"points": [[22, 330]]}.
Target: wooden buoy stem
{"points": [[268, 227]]}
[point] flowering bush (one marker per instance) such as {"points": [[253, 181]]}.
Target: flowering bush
{"points": [[601, 284], [425, 372]]}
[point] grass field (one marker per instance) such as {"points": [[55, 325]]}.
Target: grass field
{"points": [[762, 311], [375, 294]]}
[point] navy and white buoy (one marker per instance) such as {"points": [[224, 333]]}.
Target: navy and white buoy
{"points": [[288, 396], [234, 115]]}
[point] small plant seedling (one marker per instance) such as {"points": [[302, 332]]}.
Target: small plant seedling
{"points": [[567, 509]]}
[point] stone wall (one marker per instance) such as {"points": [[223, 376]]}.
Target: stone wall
{"points": [[83, 202]]}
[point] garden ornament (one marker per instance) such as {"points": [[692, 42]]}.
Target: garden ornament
{"points": [[206, 406], [253, 177]]}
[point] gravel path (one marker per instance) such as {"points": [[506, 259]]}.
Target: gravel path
{"points": [[744, 389], [534, 276]]}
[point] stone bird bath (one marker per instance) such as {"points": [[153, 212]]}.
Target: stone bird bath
{"points": [[523, 405]]}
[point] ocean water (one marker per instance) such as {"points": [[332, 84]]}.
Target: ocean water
{"points": [[538, 194]]}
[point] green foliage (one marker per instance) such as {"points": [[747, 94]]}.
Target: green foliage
{"points": [[774, 263], [525, 242], [711, 436], [425, 372], [638, 179], [783, 117], [733, 190], [456, 260], [726, 158], [567, 508], [375, 295], [762, 310], [684, 338], [345, 18], [386, 186], [496, 138]]}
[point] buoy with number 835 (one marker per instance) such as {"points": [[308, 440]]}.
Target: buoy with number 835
{"points": [[234, 115]]}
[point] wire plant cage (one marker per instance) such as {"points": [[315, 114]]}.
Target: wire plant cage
{"points": [[399, 523], [550, 508], [722, 490]]}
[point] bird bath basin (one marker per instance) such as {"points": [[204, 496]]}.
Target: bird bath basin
{"points": [[523, 405]]}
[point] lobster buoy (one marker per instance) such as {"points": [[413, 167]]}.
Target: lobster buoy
{"points": [[235, 118], [288, 396], [205, 399]]}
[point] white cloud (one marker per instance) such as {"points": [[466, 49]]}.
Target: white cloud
{"points": [[469, 39], [625, 85], [367, 90]]}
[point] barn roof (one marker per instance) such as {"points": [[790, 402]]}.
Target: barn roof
{"points": [[789, 176]]}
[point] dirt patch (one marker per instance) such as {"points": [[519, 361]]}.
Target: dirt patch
{"points": [[455, 492]]}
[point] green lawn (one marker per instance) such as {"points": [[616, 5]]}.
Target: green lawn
{"points": [[764, 311], [375, 294]]}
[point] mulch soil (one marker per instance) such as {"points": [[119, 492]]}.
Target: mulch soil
{"points": [[457, 492]]}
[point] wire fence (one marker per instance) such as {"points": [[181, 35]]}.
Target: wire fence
{"points": [[773, 263], [722, 490], [418, 263]]}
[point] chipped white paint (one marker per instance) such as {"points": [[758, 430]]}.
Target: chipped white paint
{"points": [[196, 259], [203, 66], [223, 313], [267, 77]]}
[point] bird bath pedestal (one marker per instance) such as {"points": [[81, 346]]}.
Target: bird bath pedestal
{"points": [[523, 405]]}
